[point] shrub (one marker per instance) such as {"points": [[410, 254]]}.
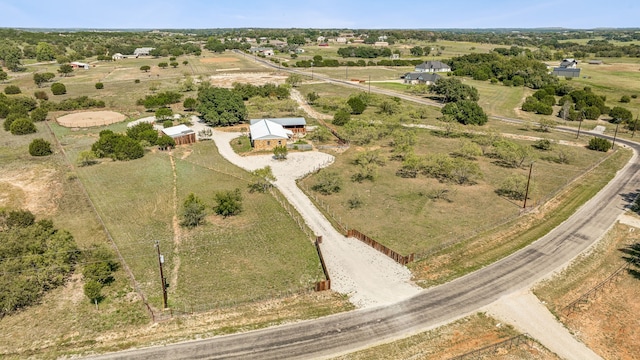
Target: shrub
{"points": [[625, 99], [86, 158], [193, 212], [357, 105], [99, 85], [327, 183], [228, 203], [39, 114], [12, 89], [40, 147], [341, 117], [58, 88], [167, 124], [41, 95], [599, 144], [136, 81], [165, 141], [22, 126]]}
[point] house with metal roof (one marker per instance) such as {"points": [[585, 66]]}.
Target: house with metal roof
{"points": [[145, 51], [421, 78], [432, 66], [181, 134], [567, 68], [266, 134], [297, 125]]}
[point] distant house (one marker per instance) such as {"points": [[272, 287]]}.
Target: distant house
{"points": [[297, 125], [567, 68], [380, 44], [145, 51], [266, 135], [181, 134], [595, 62], [569, 63], [79, 65], [421, 78], [395, 56], [341, 40], [118, 56], [432, 66], [299, 50], [320, 39], [266, 51]]}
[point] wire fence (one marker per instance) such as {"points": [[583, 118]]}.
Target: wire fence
{"points": [[494, 348], [593, 292]]}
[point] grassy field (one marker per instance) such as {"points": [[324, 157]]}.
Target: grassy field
{"points": [[606, 322]]}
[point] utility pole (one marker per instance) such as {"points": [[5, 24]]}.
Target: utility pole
{"points": [[526, 194], [162, 280], [579, 125], [614, 136], [370, 86]]}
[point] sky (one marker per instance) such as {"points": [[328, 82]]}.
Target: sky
{"points": [[370, 14]]}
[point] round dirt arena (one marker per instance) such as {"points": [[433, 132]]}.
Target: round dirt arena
{"points": [[90, 118]]}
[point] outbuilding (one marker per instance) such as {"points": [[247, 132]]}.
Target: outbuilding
{"points": [[181, 134], [266, 135], [79, 65]]}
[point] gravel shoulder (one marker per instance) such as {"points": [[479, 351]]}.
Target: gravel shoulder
{"points": [[367, 276], [524, 311]]}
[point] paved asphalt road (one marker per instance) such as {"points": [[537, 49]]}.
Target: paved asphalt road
{"points": [[346, 332]]}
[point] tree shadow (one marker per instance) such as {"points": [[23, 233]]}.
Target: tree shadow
{"points": [[630, 199], [632, 256]]}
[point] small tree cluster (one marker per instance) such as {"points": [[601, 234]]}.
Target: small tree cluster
{"points": [[228, 203], [12, 90], [327, 183], [599, 144], [40, 147], [193, 212], [117, 146], [98, 272]]}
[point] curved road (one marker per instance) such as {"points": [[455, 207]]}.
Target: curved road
{"points": [[347, 332]]}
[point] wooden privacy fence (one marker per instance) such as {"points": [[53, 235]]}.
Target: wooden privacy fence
{"points": [[324, 284], [402, 260]]}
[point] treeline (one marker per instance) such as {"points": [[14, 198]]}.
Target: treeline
{"points": [[510, 70], [336, 63], [364, 52]]}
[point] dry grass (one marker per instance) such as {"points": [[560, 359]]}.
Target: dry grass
{"points": [[460, 337], [608, 323]]}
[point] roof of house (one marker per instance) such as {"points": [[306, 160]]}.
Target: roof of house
{"points": [[179, 130], [142, 50], [433, 65], [77, 63], [265, 130], [426, 77], [297, 121], [568, 62]]}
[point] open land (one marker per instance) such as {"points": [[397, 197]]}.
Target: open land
{"points": [[221, 270]]}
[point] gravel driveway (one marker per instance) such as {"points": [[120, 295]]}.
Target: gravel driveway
{"points": [[366, 275]]}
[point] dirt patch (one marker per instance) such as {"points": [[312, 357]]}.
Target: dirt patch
{"points": [[90, 118], [33, 189], [218, 60], [227, 80]]}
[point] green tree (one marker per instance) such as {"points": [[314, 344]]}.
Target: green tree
{"points": [[3, 75], [357, 105], [165, 141], [193, 212], [41, 95], [511, 153], [599, 144], [228, 203], [625, 99], [45, 52], [93, 290], [12, 90], [341, 117], [312, 97], [263, 178], [39, 114], [86, 158], [327, 183], [452, 90], [185, 63], [40, 147], [145, 68], [65, 69], [99, 86], [466, 112], [514, 187], [294, 80], [468, 150], [58, 88], [189, 104], [41, 78], [174, 64], [416, 51], [220, 106], [163, 65], [22, 126], [164, 113], [620, 114], [280, 152]]}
